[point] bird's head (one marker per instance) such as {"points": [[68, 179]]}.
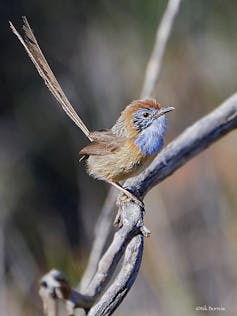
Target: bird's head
{"points": [[146, 123], [149, 113]]}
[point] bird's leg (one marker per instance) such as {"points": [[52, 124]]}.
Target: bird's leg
{"points": [[118, 220], [127, 193]]}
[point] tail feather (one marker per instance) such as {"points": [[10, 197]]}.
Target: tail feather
{"points": [[33, 50]]}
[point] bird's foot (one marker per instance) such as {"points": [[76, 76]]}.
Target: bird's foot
{"points": [[127, 197]]}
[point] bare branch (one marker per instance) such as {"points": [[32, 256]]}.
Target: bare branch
{"points": [[102, 231], [123, 282], [54, 286], [154, 64], [132, 225]]}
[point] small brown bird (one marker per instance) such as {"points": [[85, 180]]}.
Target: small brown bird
{"points": [[114, 154]]}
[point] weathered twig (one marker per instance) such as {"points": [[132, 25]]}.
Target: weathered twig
{"points": [[132, 225], [123, 282], [152, 75], [102, 231], [55, 286], [191, 142], [155, 62]]}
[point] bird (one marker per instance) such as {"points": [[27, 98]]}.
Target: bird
{"points": [[121, 152], [127, 148]]}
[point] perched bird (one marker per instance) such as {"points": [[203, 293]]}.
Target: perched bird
{"points": [[130, 145], [114, 154]]}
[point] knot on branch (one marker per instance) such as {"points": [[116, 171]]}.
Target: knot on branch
{"points": [[131, 216]]}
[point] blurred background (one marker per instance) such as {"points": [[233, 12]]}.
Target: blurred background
{"points": [[48, 204]]}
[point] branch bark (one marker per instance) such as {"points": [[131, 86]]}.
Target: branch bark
{"points": [[155, 62], [55, 286], [123, 282], [102, 231]]}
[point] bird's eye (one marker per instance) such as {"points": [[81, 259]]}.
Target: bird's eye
{"points": [[146, 114]]}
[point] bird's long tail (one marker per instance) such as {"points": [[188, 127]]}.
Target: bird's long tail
{"points": [[33, 50]]}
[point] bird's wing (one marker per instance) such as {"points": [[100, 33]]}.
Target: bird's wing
{"points": [[103, 135], [103, 143], [98, 149], [33, 50]]}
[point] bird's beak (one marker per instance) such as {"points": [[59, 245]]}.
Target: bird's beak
{"points": [[165, 110]]}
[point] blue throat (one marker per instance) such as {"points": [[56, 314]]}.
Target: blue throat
{"points": [[151, 139]]}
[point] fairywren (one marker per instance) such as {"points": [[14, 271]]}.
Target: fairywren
{"points": [[127, 148], [114, 154]]}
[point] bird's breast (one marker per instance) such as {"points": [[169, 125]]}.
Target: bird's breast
{"points": [[151, 139], [126, 162]]}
